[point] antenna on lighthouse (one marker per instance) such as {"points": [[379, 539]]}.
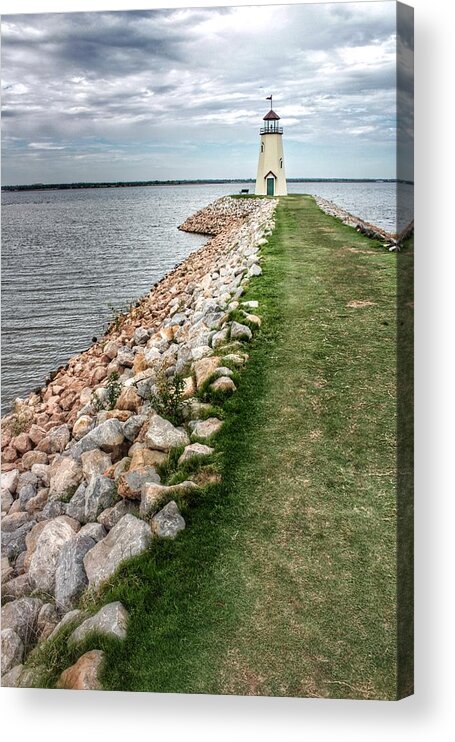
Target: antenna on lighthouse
{"points": [[270, 99]]}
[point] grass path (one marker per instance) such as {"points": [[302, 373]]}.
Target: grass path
{"points": [[284, 581]]}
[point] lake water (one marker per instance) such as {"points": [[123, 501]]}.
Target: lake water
{"points": [[70, 258]]}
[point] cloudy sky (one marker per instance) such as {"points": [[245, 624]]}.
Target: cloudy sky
{"points": [[180, 93]]}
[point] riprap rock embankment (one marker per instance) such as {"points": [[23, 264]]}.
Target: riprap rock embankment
{"points": [[81, 489]]}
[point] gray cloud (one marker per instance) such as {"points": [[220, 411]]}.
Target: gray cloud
{"points": [[85, 93]]}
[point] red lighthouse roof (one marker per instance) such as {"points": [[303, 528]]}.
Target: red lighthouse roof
{"points": [[271, 116]]}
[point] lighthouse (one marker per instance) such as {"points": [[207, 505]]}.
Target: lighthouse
{"points": [[271, 178]]}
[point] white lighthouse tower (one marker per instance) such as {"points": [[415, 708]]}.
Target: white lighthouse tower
{"points": [[271, 178]]}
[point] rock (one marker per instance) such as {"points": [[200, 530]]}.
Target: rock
{"points": [[95, 463], [220, 338], [130, 483], [10, 480], [133, 425], [44, 561], [12, 678], [153, 495], [12, 650], [201, 351], [47, 621], [65, 476], [223, 384], [109, 517], [26, 493], [142, 456], [36, 504], [194, 450], [163, 436], [22, 615], [70, 577], [56, 440], [129, 399], [36, 434], [11, 522], [84, 674], [205, 428], [168, 522], [115, 470], [96, 531], [111, 349], [129, 537], [240, 332], [223, 371], [152, 356], [189, 388], [69, 620], [75, 508], [111, 620], [33, 457], [250, 304], [204, 368], [6, 570], [31, 540], [54, 508], [83, 425], [99, 495], [18, 587], [106, 436], [13, 544], [42, 472], [125, 357], [22, 443], [253, 319], [141, 335], [255, 270]]}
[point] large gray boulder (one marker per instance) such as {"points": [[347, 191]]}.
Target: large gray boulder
{"points": [[168, 522], [12, 649], [111, 620], [70, 577], [44, 561], [107, 436], [99, 495], [162, 435], [22, 616], [129, 537]]}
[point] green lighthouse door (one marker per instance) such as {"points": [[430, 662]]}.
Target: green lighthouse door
{"points": [[270, 186]]}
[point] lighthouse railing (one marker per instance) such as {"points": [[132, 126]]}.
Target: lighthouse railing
{"points": [[271, 130]]}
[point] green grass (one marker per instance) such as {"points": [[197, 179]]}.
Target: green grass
{"points": [[284, 581]]}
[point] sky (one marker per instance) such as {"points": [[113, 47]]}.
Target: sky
{"points": [[180, 93]]}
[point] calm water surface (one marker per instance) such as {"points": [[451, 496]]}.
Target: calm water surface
{"points": [[70, 257]]}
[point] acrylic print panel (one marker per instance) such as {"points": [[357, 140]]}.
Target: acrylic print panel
{"points": [[207, 350]]}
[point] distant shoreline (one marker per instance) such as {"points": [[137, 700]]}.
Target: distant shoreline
{"points": [[142, 183]]}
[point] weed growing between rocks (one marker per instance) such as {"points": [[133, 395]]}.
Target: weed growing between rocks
{"points": [[167, 401]]}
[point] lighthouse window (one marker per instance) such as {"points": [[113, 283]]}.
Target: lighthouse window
{"points": [[281, 162], [262, 146]]}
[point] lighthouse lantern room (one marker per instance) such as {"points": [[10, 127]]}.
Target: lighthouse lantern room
{"points": [[271, 178]]}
